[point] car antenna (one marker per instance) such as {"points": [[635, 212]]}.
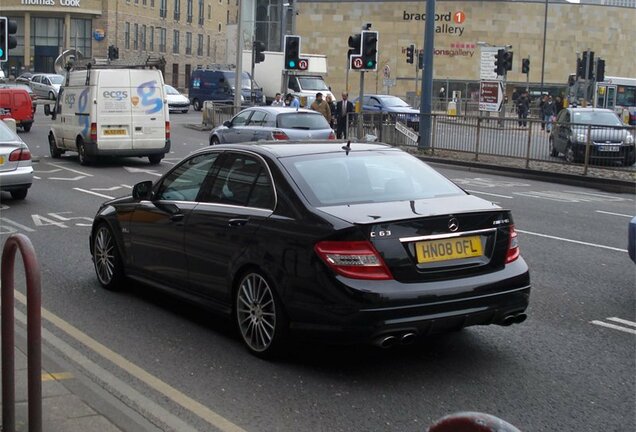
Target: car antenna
{"points": [[347, 148]]}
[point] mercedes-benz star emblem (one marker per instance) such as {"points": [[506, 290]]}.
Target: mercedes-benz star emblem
{"points": [[453, 224]]}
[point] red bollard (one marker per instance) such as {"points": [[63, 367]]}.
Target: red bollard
{"points": [[34, 333], [471, 422]]}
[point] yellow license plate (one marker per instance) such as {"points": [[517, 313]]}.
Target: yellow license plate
{"points": [[1, 160], [448, 249], [114, 131]]}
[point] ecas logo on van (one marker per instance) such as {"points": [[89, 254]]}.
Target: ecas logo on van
{"points": [[146, 91], [115, 94]]}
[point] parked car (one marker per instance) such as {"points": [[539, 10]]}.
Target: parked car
{"points": [[16, 172], [360, 243], [16, 103], [393, 106], [610, 139], [46, 85], [176, 101], [24, 78], [273, 123]]}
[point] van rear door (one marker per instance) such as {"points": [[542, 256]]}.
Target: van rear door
{"points": [[113, 111], [149, 111]]}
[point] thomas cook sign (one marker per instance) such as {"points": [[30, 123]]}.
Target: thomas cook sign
{"points": [[448, 23], [68, 3]]}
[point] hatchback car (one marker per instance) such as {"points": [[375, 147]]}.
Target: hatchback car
{"points": [[176, 101], [46, 85], [610, 139], [24, 78], [273, 123], [16, 171], [361, 244]]}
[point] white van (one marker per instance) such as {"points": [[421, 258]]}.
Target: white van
{"points": [[111, 112]]}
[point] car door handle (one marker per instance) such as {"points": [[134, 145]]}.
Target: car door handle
{"points": [[177, 217], [238, 222]]}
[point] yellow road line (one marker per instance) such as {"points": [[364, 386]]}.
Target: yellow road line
{"points": [[170, 392], [56, 376]]}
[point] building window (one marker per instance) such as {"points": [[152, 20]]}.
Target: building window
{"points": [[162, 40], [136, 2], [227, 17], [81, 36], [127, 35], [152, 3], [201, 12], [151, 45], [177, 10], [189, 11], [163, 9], [219, 27], [209, 11], [175, 41], [208, 51], [200, 45], [136, 36], [188, 43], [175, 75], [143, 37], [145, 2]]}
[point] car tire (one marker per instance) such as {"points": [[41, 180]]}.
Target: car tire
{"points": [[19, 194], [84, 159], [553, 151], [259, 314], [214, 141], [155, 159], [56, 153], [51, 95], [570, 154], [196, 104], [185, 111], [108, 263], [27, 127]]}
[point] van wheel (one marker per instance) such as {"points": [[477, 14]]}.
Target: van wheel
{"points": [[55, 152], [214, 141], [196, 104], [51, 95], [155, 159], [81, 153], [26, 126]]}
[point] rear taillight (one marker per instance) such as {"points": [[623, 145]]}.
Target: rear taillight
{"points": [[93, 132], [353, 259], [513, 246], [167, 130], [279, 135], [332, 136], [19, 155]]}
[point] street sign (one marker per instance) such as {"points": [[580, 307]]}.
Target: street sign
{"points": [[411, 136], [487, 64], [387, 72], [491, 96], [389, 82], [303, 64], [356, 63]]}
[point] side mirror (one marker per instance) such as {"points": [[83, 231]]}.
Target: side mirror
{"points": [[142, 191], [47, 110], [227, 124]]}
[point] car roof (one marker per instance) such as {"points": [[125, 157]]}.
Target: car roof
{"points": [[281, 109], [280, 149], [589, 109]]}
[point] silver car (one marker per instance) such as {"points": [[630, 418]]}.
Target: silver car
{"points": [[46, 85], [273, 123], [16, 172]]}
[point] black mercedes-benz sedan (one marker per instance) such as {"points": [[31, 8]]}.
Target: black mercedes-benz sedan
{"points": [[352, 243]]}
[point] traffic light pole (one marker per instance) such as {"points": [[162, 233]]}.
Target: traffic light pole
{"points": [[239, 59], [426, 101], [361, 102], [252, 95]]}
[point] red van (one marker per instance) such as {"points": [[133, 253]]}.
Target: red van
{"points": [[16, 103]]}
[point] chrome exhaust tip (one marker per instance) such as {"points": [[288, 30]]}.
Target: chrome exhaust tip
{"points": [[520, 318], [408, 338], [386, 341]]}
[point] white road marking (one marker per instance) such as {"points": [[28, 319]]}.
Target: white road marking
{"points": [[141, 170], [71, 170], [67, 179], [94, 193], [488, 193], [612, 326], [36, 177], [107, 189], [141, 374], [571, 197], [614, 214], [572, 241], [622, 321], [605, 197], [48, 172], [487, 182], [17, 225]]}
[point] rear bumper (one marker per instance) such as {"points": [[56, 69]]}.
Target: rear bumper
{"points": [[92, 150], [20, 178]]}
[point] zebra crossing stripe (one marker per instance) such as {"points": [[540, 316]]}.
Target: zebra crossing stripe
{"points": [[613, 326]]}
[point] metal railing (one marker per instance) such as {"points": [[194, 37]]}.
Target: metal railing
{"points": [[34, 333]]}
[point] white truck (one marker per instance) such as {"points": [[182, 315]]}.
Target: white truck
{"points": [[269, 74]]}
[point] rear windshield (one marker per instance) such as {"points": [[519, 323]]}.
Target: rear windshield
{"points": [[56, 79], [603, 118], [366, 177], [302, 120], [7, 134]]}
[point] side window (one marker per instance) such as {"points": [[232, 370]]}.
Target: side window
{"points": [[293, 84], [243, 181], [257, 119], [36, 79], [184, 182], [46, 81], [367, 101], [375, 101], [59, 103], [241, 118]]}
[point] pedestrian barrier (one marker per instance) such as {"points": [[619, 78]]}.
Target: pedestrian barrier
{"points": [[34, 333]]}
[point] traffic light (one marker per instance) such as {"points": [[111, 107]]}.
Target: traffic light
{"points": [[580, 69], [508, 61], [586, 67], [292, 51], [7, 41], [420, 60], [525, 65], [600, 70], [370, 49], [113, 52], [410, 51], [355, 43], [258, 48], [590, 68], [500, 62]]}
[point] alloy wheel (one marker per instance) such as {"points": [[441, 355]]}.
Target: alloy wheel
{"points": [[256, 312], [104, 255]]}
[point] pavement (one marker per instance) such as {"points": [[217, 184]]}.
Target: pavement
{"points": [[72, 402]]}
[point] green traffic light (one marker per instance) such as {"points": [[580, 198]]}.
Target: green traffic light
{"points": [[370, 64], [1, 52], [292, 64]]}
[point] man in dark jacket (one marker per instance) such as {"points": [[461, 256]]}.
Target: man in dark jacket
{"points": [[343, 108], [523, 106]]}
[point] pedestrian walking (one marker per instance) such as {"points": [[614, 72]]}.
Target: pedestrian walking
{"points": [[548, 111], [291, 101], [558, 103], [343, 108], [332, 109], [278, 100], [523, 106], [322, 107]]}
